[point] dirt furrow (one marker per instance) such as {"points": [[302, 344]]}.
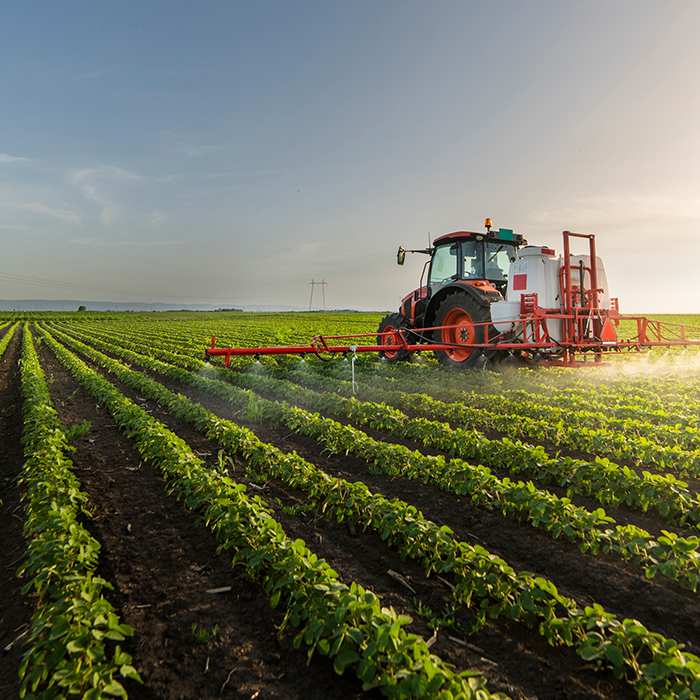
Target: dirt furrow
{"points": [[527, 666], [620, 587], [162, 564], [15, 609]]}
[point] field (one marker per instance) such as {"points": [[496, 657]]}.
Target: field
{"points": [[290, 528]]}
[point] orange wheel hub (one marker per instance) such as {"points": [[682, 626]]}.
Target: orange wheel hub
{"points": [[389, 340], [462, 333]]}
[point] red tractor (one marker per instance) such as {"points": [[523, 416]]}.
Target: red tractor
{"points": [[467, 272]]}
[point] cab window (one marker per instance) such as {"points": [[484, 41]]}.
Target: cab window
{"points": [[444, 266], [498, 258], [472, 260]]}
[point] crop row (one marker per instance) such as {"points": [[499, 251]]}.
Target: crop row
{"points": [[662, 446], [671, 403], [476, 573], [73, 622], [135, 346], [236, 330], [639, 399], [627, 399], [623, 432], [625, 438], [602, 479], [622, 481], [5, 340], [343, 622], [673, 556]]}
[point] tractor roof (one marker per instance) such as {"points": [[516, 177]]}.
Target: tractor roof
{"points": [[501, 234], [456, 234]]}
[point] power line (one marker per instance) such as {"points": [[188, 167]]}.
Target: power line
{"points": [[322, 284]]}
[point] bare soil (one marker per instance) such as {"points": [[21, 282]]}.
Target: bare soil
{"points": [[162, 562]]}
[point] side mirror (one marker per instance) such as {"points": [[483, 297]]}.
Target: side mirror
{"points": [[401, 255]]}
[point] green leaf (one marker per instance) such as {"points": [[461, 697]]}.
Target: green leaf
{"points": [[614, 655], [121, 657], [526, 600], [588, 652], [77, 645], [116, 689], [356, 635], [56, 655], [130, 672], [345, 657]]}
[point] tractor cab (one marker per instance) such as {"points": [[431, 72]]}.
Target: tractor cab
{"points": [[472, 257], [466, 262], [467, 272]]}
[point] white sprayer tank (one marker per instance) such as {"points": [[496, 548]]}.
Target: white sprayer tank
{"points": [[536, 270]]}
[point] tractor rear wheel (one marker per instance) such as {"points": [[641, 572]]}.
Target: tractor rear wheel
{"points": [[462, 312], [393, 322]]}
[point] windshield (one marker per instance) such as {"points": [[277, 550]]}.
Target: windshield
{"points": [[498, 258], [481, 260], [443, 268]]}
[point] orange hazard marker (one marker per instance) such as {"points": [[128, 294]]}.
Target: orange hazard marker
{"points": [[607, 334]]}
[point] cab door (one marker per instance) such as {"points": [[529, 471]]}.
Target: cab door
{"points": [[444, 267]]}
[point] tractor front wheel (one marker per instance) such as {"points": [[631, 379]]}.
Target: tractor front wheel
{"points": [[393, 322], [461, 313]]}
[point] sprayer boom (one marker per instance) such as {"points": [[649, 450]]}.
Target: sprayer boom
{"points": [[531, 338]]}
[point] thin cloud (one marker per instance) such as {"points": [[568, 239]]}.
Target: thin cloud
{"points": [[5, 158], [620, 210], [195, 151], [90, 192], [111, 243], [64, 214], [156, 218], [144, 96], [93, 182], [98, 74], [12, 227], [107, 172], [192, 145], [188, 73]]}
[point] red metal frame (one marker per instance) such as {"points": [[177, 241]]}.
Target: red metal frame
{"points": [[587, 329], [534, 331]]}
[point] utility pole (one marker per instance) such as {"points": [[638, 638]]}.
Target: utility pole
{"points": [[322, 284]]}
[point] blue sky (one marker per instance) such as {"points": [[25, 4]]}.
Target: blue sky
{"points": [[231, 152]]}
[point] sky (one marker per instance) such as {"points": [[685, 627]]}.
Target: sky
{"points": [[229, 153]]}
